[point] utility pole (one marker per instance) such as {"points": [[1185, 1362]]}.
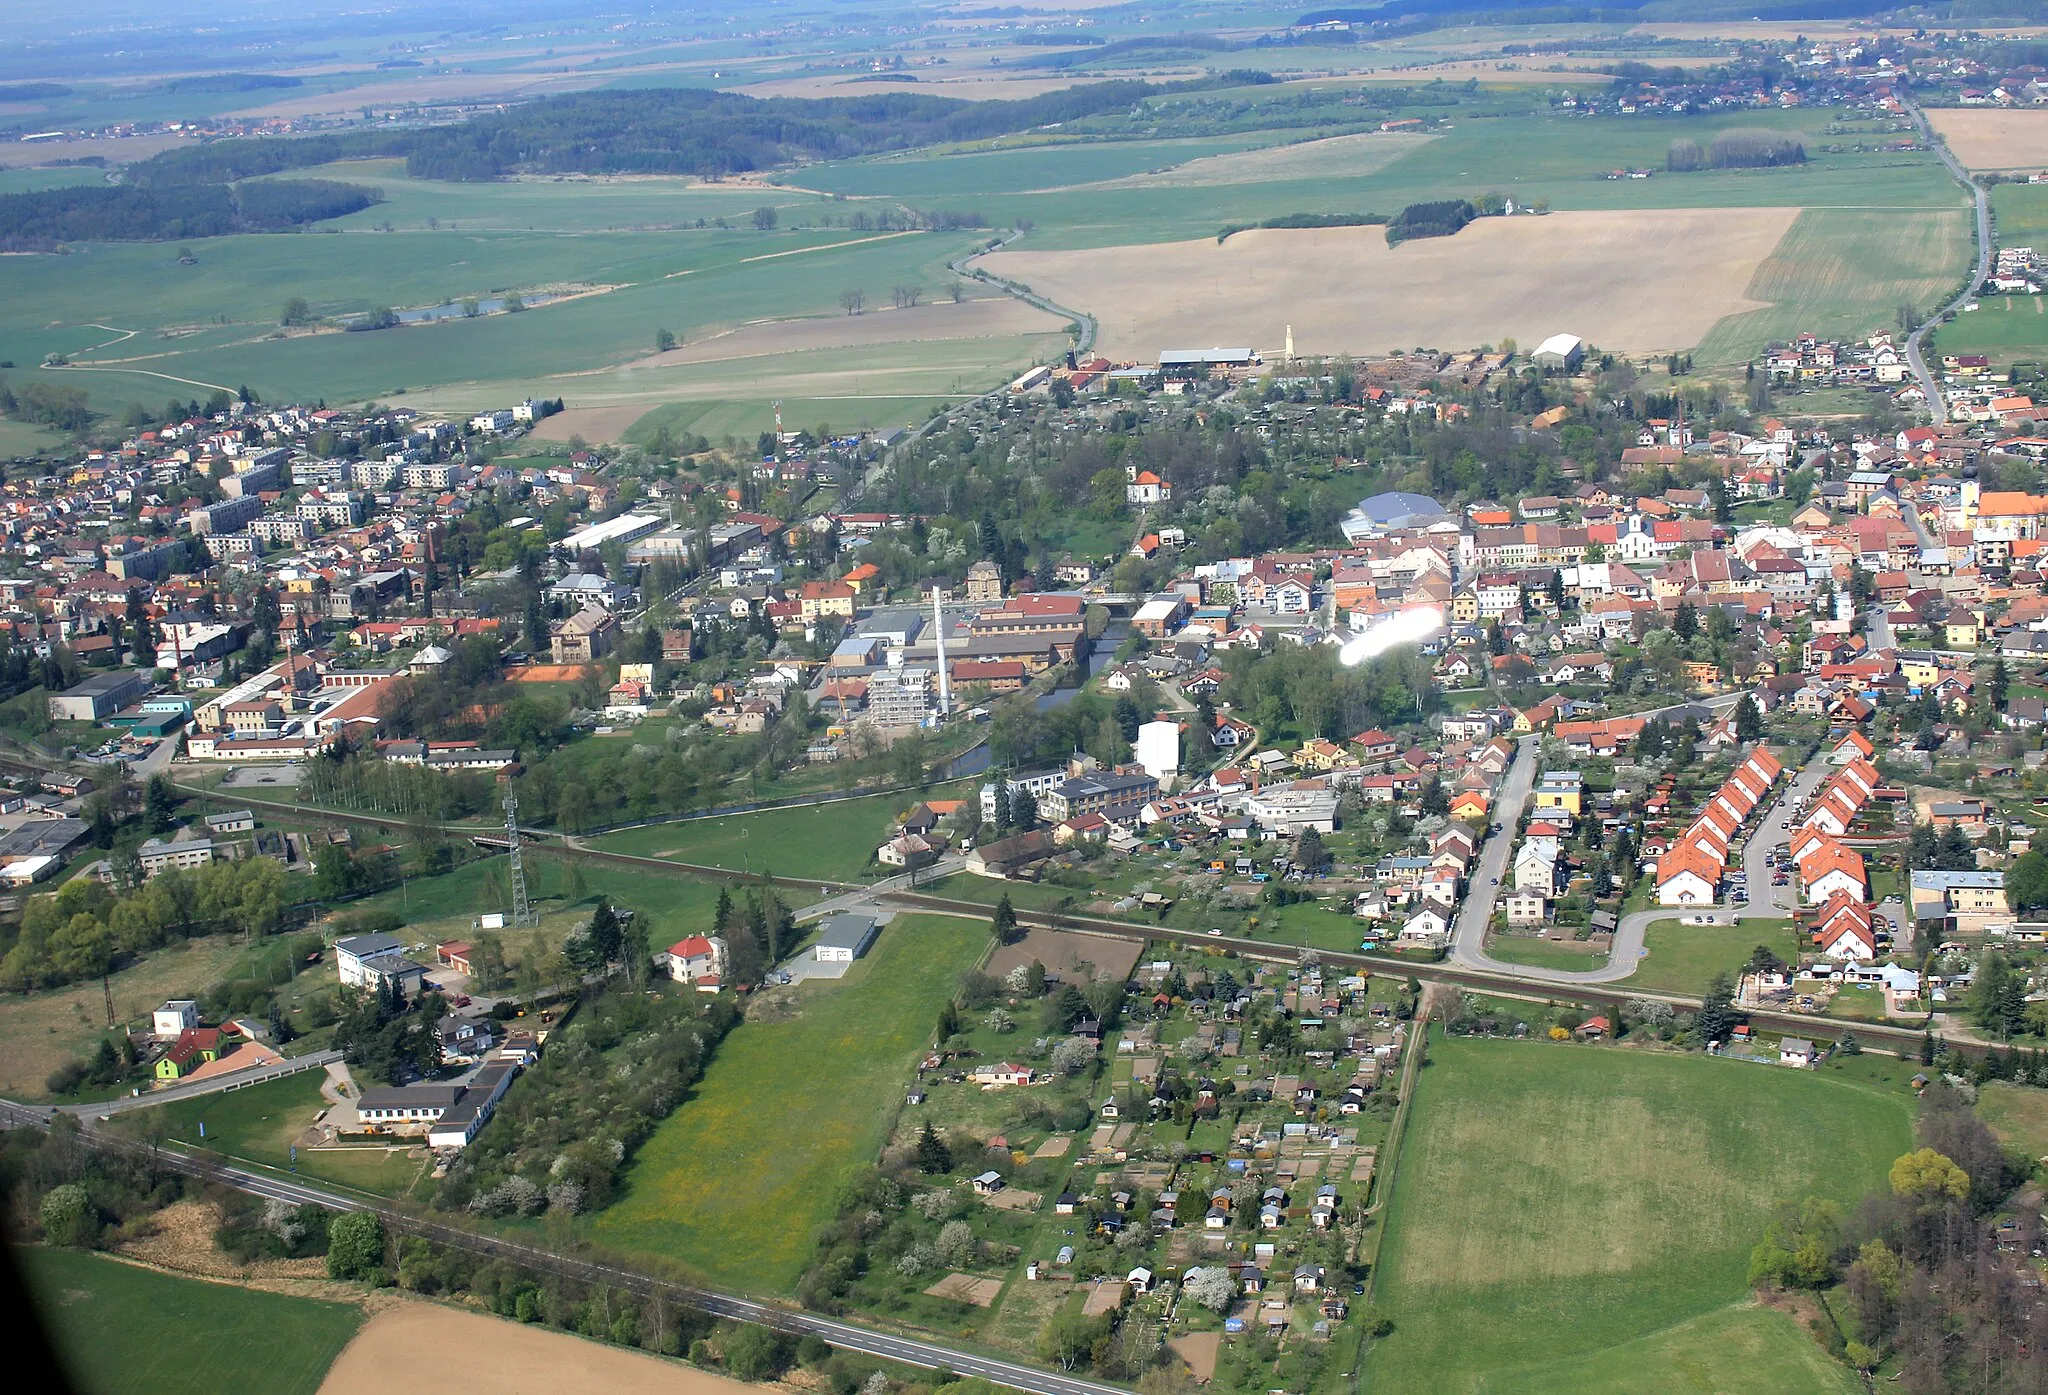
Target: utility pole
{"points": [[523, 913]]}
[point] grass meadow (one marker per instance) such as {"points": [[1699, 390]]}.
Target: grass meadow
{"points": [[260, 1124], [41, 1031], [1570, 1218], [835, 842], [1683, 957], [208, 324], [735, 1183], [2018, 1115], [123, 1330], [2004, 327]]}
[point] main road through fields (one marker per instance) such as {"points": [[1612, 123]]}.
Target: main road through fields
{"points": [[851, 1336], [1915, 357]]}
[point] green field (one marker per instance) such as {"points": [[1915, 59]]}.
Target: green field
{"points": [[2004, 327], [259, 1123], [834, 842], [125, 1330], [1843, 272], [1569, 1218], [1683, 957], [735, 1183], [1545, 954], [2017, 1114]]}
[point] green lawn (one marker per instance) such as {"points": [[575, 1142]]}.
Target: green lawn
{"points": [[835, 842], [259, 1124], [1568, 1218], [1683, 957], [125, 1330], [1545, 954], [735, 1183]]}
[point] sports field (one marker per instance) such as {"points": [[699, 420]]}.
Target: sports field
{"points": [[2003, 327], [1572, 1218], [125, 1330], [735, 1183]]}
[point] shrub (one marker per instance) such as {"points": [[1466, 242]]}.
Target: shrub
{"points": [[68, 1215], [355, 1247]]}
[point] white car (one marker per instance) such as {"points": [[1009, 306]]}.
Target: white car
{"points": [[1218, 934]]}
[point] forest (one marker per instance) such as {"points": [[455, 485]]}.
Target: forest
{"points": [[43, 220], [656, 131]]}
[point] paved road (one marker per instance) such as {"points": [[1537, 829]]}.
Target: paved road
{"points": [[850, 1336], [1475, 913], [863, 898], [1915, 359], [1877, 630]]}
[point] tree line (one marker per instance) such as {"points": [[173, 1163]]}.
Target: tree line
{"points": [[1732, 150], [1929, 1284], [1436, 218], [652, 132], [42, 220]]}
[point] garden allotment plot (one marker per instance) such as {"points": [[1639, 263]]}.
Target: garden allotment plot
{"points": [[1570, 1218]]}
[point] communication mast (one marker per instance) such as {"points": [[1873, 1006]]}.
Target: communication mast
{"points": [[523, 913]]}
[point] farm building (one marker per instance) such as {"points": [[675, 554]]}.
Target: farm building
{"points": [[1560, 353]]}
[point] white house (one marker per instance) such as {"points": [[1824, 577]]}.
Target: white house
{"points": [[1796, 1052], [1426, 926], [364, 961], [696, 959], [174, 1017], [1526, 908]]}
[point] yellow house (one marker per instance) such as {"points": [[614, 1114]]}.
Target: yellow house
{"points": [[1560, 789], [1966, 633], [1465, 608], [1920, 670]]}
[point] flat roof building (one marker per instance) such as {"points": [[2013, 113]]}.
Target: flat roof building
{"points": [[844, 938]]}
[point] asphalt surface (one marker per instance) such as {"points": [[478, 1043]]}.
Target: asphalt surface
{"points": [[1915, 358]]}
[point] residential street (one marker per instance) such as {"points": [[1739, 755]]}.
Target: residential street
{"points": [[1468, 940]]}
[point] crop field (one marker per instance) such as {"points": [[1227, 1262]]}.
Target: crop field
{"points": [[41, 1031], [497, 1354], [1992, 139], [1567, 1218], [1344, 290], [2021, 211], [120, 1328], [1841, 272], [735, 1183], [139, 326]]}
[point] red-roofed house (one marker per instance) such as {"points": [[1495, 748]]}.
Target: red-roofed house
{"points": [[694, 959]]}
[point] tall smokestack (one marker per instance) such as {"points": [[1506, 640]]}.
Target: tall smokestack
{"points": [[939, 620]]}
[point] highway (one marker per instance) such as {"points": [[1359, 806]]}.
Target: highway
{"points": [[850, 1336], [1915, 358]]}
